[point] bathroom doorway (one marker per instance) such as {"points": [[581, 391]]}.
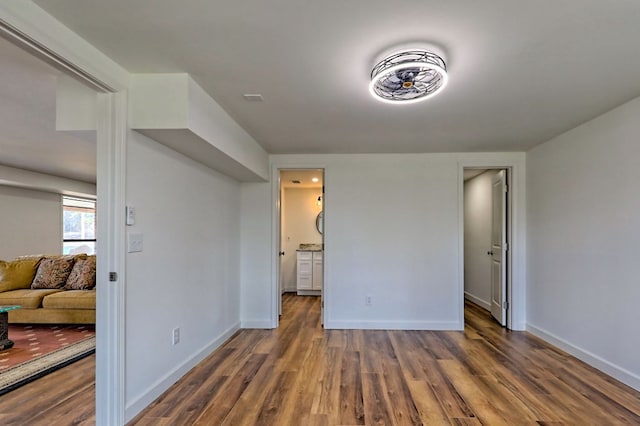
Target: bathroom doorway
{"points": [[301, 234]]}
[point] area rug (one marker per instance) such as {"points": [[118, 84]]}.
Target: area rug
{"points": [[40, 349]]}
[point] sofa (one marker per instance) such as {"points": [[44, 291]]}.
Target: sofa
{"points": [[58, 289]]}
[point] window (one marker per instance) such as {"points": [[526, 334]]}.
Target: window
{"points": [[78, 225]]}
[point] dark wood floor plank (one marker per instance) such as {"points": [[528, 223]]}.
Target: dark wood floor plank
{"points": [[377, 407], [351, 400]]}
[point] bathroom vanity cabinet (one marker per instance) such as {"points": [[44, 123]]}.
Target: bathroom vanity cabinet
{"points": [[309, 272]]}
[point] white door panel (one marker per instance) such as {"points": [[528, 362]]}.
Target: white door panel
{"points": [[498, 248]]}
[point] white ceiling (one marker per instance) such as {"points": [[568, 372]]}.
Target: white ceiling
{"points": [[28, 139], [520, 71]]}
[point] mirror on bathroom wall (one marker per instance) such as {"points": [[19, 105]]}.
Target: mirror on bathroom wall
{"points": [[320, 222]]}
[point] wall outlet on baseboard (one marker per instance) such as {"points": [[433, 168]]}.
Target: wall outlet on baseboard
{"points": [[367, 300], [175, 336]]}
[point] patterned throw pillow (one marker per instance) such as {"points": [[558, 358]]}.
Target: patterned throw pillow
{"points": [[53, 272], [83, 275]]}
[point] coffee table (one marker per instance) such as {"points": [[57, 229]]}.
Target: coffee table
{"points": [[5, 343]]}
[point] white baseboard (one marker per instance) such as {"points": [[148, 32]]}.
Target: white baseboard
{"points": [[615, 371], [256, 324], [482, 303], [161, 385], [394, 325]]}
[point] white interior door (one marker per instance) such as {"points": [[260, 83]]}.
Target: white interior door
{"points": [[499, 248], [281, 252]]}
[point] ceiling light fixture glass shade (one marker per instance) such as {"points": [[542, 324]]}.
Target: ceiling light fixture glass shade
{"points": [[409, 76]]}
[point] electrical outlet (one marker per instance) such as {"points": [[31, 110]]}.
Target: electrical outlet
{"points": [[368, 301], [176, 336]]}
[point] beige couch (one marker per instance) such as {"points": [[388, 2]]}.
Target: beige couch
{"points": [[50, 289]]}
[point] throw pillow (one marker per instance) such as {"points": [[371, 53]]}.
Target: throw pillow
{"points": [[83, 275], [53, 272], [17, 274]]}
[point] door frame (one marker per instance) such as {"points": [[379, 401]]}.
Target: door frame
{"points": [[37, 32], [276, 297], [516, 231]]}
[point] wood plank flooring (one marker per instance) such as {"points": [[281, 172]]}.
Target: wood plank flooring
{"points": [[64, 397], [301, 374]]}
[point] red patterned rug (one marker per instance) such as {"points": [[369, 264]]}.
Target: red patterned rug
{"points": [[41, 349]]}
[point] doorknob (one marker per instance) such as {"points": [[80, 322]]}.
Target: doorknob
{"points": [[490, 253], [281, 253]]}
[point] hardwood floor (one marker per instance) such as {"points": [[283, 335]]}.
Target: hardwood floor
{"points": [[64, 397], [300, 374]]}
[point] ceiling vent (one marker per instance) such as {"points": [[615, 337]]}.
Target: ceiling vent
{"points": [[253, 97]]}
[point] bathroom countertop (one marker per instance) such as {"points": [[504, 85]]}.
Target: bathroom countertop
{"points": [[310, 247]]}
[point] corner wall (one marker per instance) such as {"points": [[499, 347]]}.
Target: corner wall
{"points": [[188, 274], [584, 234]]}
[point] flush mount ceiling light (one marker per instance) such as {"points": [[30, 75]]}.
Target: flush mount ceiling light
{"points": [[408, 76]]}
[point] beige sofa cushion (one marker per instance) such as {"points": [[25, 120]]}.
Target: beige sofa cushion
{"points": [[18, 273], [27, 298], [71, 299]]}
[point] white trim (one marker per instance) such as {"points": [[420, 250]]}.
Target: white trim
{"points": [[161, 385], [37, 31], [613, 370], [482, 303], [256, 324], [395, 325], [516, 210], [275, 235], [110, 300], [42, 33]]}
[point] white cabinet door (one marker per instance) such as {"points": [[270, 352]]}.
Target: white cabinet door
{"points": [[305, 270], [317, 270]]}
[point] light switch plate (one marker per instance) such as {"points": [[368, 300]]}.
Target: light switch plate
{"points": [[131, 215], [134, 242]]}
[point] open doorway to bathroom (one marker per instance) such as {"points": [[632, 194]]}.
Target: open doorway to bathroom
{"points": [[301, 248]]}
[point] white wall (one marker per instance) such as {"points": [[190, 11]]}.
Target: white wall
{"points": [[391, 231], [30, 222], [299, 225], [256, 258], [188, 274], [584, 234], [477, 238]]}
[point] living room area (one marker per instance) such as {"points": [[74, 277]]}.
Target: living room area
{"points": [[48, 218]]}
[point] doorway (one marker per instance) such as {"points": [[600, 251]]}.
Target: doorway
{"points": [[301, 234], [46, 44], [487, 235], [48, 152]]}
